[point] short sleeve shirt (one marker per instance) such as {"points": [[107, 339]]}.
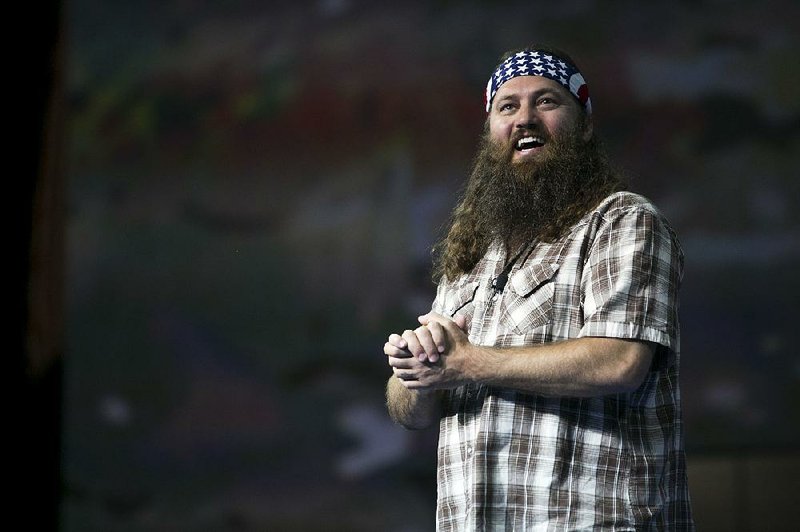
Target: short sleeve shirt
{"points": [[513, 460]]}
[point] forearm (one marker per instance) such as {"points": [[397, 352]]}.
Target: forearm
{"points": [[414, 409], [583, 367]]}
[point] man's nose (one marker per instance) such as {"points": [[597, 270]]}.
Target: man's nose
{"points": [[526, 118]]}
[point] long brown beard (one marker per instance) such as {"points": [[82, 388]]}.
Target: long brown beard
{"points": [[517, 203]]}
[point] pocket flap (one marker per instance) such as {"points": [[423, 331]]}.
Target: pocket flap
{"points": [[460, 297], [531, 277]]}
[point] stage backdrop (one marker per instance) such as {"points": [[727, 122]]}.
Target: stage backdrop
{"points": [[254, 189]]}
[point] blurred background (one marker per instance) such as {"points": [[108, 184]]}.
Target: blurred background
{"points": [[232, 204]]}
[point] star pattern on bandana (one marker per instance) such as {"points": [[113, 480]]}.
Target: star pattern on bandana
{"points": [[538, 63]]}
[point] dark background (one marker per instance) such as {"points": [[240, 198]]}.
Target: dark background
{"points": [[234, 205]]}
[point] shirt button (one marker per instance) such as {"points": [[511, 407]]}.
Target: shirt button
{"points": [[469, 450]]}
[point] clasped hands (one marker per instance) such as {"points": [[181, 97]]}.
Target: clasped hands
{"points": [[432, 356]]}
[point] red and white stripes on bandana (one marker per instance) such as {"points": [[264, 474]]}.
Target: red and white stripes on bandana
{"points": [[540, 63]]}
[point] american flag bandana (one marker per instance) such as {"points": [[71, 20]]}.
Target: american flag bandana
{"points": [[539, 63]]}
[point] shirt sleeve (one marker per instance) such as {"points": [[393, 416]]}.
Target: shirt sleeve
{"points": [[631, 278]]}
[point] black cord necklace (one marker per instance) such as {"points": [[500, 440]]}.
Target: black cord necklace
{"points": [[499, 282]]}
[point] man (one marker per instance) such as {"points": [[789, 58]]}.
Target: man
{"points": [[550, 358]]}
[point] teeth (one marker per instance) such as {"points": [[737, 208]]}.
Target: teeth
{"points": [[528, 142]]}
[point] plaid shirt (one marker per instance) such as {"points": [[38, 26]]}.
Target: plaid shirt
{"points": [[510, 460]]}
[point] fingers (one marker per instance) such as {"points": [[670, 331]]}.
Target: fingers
{"points": [[438, 339], [403, 362], [431, 339], [458, 322], [421, 344], [392, 350], [432, 317], [411, 354], [410, 371], [412, 380], [427, 342], [437, 334], [411, 344], [415, 385], [397, 341]]}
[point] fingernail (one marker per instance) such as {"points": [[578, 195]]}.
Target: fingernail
{"points": [[422, 357], [441, 349]]}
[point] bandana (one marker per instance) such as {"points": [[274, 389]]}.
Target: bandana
{"points": [[536, 63]]}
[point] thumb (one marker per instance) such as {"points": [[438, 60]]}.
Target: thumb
{"points": [[425, 319], [458, 320]]}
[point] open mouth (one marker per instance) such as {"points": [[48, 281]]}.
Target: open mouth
{"points": [[528, 143]]}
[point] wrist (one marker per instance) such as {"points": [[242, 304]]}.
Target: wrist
{"points": [[478, 362]]}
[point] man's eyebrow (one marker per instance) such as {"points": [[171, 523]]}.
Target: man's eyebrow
{"points": [[537, 93], [510, 96]]}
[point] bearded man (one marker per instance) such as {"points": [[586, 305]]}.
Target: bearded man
{"points": [[550, 357]]}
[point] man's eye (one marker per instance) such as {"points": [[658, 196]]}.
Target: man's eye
{"points": [[506, 107], [546, 101]]}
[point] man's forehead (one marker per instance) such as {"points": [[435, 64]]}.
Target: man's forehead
{"points": [[529, 84]]}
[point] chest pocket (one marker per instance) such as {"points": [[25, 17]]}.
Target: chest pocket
{"points": [[529, 302], [460, 301]]}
